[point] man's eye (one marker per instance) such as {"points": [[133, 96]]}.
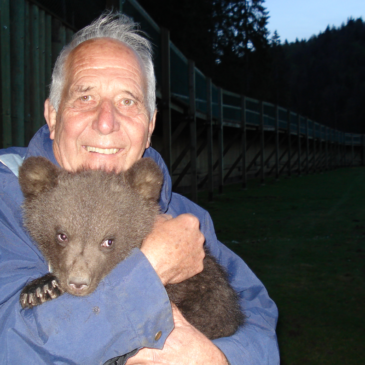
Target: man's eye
{"points": [[127, 102], [85, 98]]}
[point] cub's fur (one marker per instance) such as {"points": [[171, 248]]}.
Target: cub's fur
{"points": [[85, 223]]}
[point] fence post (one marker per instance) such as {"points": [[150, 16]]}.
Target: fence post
{"points": [[42, 60], [220, 141], [338, 164], [314, 147], [344, 148], [299, 145], [166, 96], [340, 149], [289, 141], [326, 141], [262, 143], [35, 69], [192, 123], [329, 141], [277, 170], [334, 149], [56, 39], [307, 145], [243, 142], [48, 53], [5, 74], [320, 149], [17, 24], [210, 140], [28, 76]]}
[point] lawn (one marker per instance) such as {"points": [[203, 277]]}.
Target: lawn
{"points": [[304, 238]]}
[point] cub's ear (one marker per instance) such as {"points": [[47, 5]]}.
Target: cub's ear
{"points": [[37, 174], [146, 178]]}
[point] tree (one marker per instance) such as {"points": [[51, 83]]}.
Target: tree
{"points": [[324, 77], [275, 39], [240, 25], [241, 44]]}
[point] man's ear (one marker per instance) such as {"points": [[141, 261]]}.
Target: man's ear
{"points": [[151, 128], [50, 115], [37, 174]]}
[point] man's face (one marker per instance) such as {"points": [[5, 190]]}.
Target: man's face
{"points": [[102, 120]]}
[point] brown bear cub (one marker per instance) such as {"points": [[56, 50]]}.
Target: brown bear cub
{"points": [[85, 223]]}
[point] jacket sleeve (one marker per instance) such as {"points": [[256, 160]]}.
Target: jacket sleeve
{"points": [[127, 310], [256, 342]]}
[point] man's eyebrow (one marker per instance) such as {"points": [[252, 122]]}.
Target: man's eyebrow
{"points": [[133, 96], [82, 88]]}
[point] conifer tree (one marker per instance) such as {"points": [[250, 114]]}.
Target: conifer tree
{"points": [[241, 43]]}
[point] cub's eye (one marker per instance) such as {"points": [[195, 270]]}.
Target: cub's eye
{"points": [[108, 243], [127, 102], [62, 239]]}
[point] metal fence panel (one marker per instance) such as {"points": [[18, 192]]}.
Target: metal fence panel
{"points": [[179, 75], [200, 91], [232, 107]]}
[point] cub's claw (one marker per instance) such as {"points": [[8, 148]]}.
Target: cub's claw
{"points": [[40, 290]]}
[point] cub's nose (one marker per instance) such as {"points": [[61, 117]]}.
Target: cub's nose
{"points": [[78, 285]]}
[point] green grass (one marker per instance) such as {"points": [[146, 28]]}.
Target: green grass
{"points": [[304, 238]]}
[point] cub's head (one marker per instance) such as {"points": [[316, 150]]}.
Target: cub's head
{"points": [[86, 222]]}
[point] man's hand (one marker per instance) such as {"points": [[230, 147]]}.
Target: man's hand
{"points": [[184, 346], [175, 248]]}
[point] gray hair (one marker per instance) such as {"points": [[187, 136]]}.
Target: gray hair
{"points": [[109, 25]]}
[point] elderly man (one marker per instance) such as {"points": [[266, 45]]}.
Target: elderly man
{"points": [[101, 115]]}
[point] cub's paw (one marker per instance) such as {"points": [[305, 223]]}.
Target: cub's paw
{"points": [[40, 290]]}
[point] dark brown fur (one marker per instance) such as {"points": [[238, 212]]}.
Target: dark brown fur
{"points": [[92, 208]]}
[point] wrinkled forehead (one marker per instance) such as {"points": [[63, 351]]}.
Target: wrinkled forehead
{"points": [[104, 53]]}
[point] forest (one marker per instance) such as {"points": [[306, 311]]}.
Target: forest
{"points": [[322, 78]]}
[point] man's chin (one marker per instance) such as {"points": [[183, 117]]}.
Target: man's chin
{"points": [[102, 165], [108, 164]]}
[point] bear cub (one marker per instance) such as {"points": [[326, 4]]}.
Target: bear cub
{"points": [[85, 223]]}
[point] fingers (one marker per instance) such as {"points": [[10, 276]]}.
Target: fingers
{"points": [[175, 248]]}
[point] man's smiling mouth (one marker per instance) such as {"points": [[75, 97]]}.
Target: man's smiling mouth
{"points": [[107, 151]]}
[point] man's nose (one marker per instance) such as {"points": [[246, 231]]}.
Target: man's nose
{"points": [[105, 122]]}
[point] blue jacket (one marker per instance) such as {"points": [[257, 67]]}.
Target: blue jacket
{"points": [[130, 305]]}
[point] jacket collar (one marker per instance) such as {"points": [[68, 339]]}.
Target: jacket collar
{"points": [[41, 145]]}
